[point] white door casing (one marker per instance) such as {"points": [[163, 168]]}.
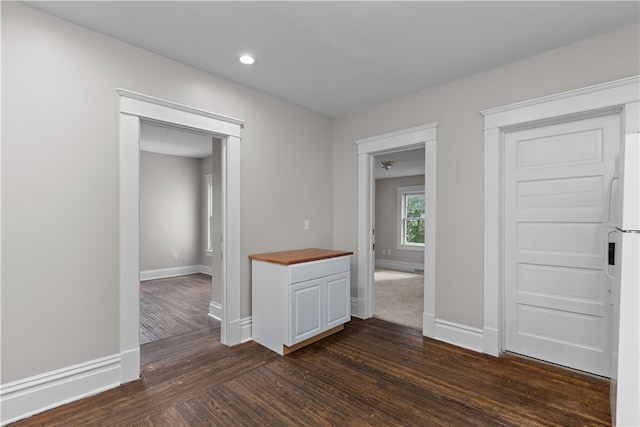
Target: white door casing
{"points": [[557, 296], [620, 96], [133, 108], [363, 306]]}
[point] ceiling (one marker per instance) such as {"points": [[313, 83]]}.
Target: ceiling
{"points": [[338, 57], [406, 163], [157, 138]]}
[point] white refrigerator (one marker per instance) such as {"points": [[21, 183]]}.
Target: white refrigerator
{"points": [[624, 271]]}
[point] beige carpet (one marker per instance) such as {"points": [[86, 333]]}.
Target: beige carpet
{"points": [[399, 297]]}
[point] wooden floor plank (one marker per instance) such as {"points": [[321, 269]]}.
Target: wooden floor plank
{"points": [[371, 373], [173, 306]]}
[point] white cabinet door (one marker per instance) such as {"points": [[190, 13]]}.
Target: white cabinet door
{"points": [[305, 311], [557, 303], [338, 307]]}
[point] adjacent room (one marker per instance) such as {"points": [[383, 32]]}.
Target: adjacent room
{"points": [[176, 230], [400, 237]]}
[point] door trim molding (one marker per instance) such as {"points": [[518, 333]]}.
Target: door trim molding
{"points": [[135, 107], [416, 137], [622, 94]]}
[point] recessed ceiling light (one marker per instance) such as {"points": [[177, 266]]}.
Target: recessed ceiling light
{"points": [[247, 59]]}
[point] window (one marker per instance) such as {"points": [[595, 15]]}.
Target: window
{"points": [[209, 216], [411, 217]]}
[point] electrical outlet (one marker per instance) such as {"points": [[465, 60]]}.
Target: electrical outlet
{"points": [[175, 255], [307, 224]]}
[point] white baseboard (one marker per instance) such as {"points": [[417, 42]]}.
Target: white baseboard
{"points": [[245, 330], [206, 269], [174, 272], [30, 396], [460, 335], [215, 310], [409, 267]]}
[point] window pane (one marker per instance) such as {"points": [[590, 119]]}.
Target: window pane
{"points": [[415, 206], [414, 231], [414, 214]]}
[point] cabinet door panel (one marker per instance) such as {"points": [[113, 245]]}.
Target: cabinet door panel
{"points": [[338, 306], [305, 315]]}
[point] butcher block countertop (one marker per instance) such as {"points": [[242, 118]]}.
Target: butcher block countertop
{"points": [[299, 255]]}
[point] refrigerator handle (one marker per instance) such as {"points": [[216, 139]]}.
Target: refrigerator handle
{"points": [[608, 255], [610, 190]]}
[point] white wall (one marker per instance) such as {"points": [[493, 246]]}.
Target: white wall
{"points": [[386, 220], [60, 181], [170, 211], [456, 107]]}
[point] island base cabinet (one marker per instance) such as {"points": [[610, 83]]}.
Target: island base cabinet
{"points": [[318, 305], [305, 311], [295, 305], [338, 308]]}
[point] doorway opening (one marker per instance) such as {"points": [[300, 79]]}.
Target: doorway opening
{"points": [[135, 108], [399, 224], [180, 271], [421, 138]]}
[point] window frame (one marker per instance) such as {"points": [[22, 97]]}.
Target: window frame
{"points": [[208, 241], [401, 235]]}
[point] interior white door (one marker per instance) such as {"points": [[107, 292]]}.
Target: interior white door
{"points": [[557, 296]]}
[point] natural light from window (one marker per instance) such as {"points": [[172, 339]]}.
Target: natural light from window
{"points": [[209, 219], [411, 217]]}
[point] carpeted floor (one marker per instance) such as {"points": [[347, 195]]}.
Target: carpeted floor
{"points": [[399, 297]]}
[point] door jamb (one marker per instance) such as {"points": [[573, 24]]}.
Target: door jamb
{"points": [[421, 136], [622, 94], [135, 107]]}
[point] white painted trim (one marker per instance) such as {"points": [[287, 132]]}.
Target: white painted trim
{"points": [[129, 242], [400, 208], [215, 310], [162, 273], [460, 335], [29, 396], [413, 248], [135, 107], [130, 370], [365, 291], [491, 341], [231, 250], [623, 94], [397, 139], [245, 329], [159, 107], [420, 136], [428, 325], [596, 97], [355, 306], [387, 264]]}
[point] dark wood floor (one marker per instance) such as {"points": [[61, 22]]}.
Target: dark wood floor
{"points": [[372, 373], [173, 306]]}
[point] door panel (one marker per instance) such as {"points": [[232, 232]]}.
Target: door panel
{"points": [[338, 300], [557, 304], [559, 282], [305, 313]]}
